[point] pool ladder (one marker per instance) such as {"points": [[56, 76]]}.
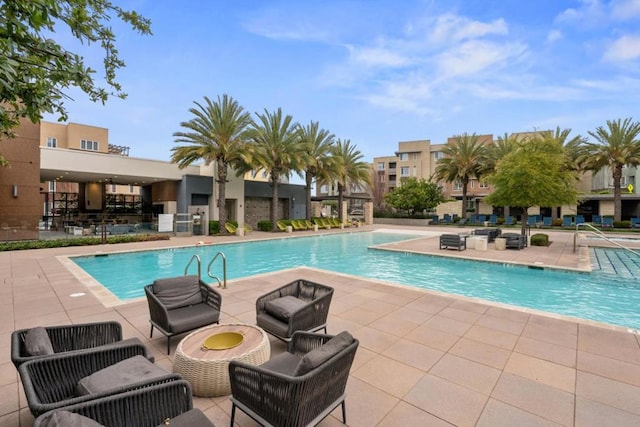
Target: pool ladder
{"points": [[221, 283]]}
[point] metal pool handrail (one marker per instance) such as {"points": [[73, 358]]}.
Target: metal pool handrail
{"points": [[595, 231], [224, 270]]}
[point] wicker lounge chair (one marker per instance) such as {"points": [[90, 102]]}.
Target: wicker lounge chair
{"points": [[298, 306], [181, 304], [65, 338], [296, 388], [52, 382], [148, 407]]}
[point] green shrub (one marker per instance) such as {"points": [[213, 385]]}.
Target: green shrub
{"points": [[621, 224], [79, 241], [556, 222], [214, 227], [540, 239], [265, 225]]}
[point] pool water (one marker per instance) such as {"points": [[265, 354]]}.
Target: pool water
{"points": [[602, 295]]}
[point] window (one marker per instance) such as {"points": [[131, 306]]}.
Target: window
{"points": [[403, 156], [414, 156], [457, 185], [52, 142], [381, 166], [404, 171], [89, 145], [380, 178], [438, 155], [113, 188], [130, 188], [484, 184], [623, 181], [324, 188], [392, 165], [52, 186]]}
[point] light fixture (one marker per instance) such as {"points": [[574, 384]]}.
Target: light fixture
{"points": [[14, 191]]}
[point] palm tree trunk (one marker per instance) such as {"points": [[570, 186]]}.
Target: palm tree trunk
{"points": [[222, 196], [274, 200], [308, 179], [617, 196], [463, 214], [340, 199]]}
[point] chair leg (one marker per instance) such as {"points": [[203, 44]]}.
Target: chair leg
{"points": [[168, 345], [325, 329], [233, 413], [344, 413], [151, 332]]}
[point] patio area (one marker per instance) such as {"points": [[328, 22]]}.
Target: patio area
{"points": [[425, 358]]}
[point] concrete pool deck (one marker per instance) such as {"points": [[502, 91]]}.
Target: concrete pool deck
{"points": [[425, 358]]}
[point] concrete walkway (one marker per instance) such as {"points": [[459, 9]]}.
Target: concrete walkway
{"points": [[425, 358]]}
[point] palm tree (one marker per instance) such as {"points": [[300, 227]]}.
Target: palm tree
{"points": [[350, 169], [464, 158], [215, 133], [572, 147], [318, 164], [275, 148], [500, 147], [616, 145]]}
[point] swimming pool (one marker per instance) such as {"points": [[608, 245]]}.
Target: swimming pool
{"points": [[599, 296]]}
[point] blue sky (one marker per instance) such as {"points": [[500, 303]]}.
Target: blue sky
{"points": [[375, 71]]}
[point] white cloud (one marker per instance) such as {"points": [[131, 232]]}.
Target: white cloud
{"points": [[554, 36], [453, 28], [377, 57], [476, 56], [590, 13], [625, 9], [625, 48]]}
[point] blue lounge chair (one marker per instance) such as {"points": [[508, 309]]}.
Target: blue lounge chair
{"points": [[532, 220], [596, 220], [472, 219], [447, 219], [493, 220], [434, 219], [480, 219], [567, 221], [508, 220], [607, 222], [579, 219], [547, 221], [635, 222]]}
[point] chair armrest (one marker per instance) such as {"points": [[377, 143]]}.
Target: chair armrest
{"points": [[210, 296], [313, 314], [303, 342], [157, 311]]}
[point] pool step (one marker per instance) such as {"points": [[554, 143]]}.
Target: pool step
{"points": [[616, 262]]}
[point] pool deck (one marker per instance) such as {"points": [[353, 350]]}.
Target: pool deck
{"points": [[425, 358]]}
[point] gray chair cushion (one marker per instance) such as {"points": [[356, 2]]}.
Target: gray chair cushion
{"points": [[187, 318], [273, 325], [37, 342], [282, 308], [318, 356], [192, 418], [176, 292], [68, 419], [284, 363], [128, 371]]}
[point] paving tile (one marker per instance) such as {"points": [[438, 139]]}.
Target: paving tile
{"points": [[534, 397], [550, 334], [470, 306], [594, 414], [404, 414], [432, 337], [610, 368], [413, 354], [499, 414], [609, 392], [508, 314], [514, 327], [367, 405], [614, 344], [460, 314], [360, 315], [448, 325], [543, 350], [389, 375], [9, 402], [394, 326], [492, 336], [545, 372], [486, 354], [374, 339], [464, 372], [444, 400]]}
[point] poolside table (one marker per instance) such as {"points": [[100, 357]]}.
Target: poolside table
{"points": [[208, 370]]}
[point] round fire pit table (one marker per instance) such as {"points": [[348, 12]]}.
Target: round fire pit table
{"points": [[208, 370]]}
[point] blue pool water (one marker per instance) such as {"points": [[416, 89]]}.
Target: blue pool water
{"points": [[601, 295]]}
